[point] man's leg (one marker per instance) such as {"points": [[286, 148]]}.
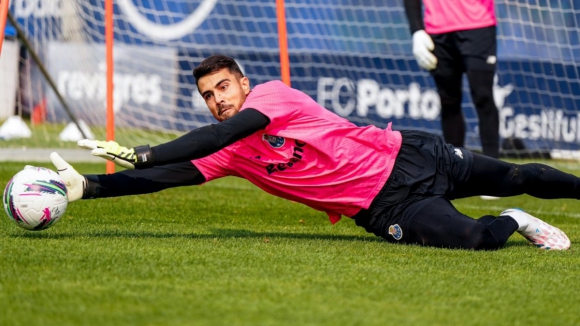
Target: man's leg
{"points": [[494, 177], [478, 49], [439, 224], [481, 87], [450, 93], [448, 76]]}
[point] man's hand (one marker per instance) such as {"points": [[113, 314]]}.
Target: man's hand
{"points": [[422, 50], [139, 157], [74, 182], [110, 150]]}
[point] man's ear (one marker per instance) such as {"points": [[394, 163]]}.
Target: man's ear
{"points": [[245, 85]]}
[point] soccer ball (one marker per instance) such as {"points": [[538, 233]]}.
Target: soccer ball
{"points": [[35, 198]]}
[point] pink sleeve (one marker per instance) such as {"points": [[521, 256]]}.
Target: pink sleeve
{"points": [[213, 166]]}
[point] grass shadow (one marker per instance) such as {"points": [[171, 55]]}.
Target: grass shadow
{"points": [[215, 233], [220, 233]]}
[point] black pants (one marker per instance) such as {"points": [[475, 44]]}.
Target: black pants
{"points": [[415, 205], [472, 52]]}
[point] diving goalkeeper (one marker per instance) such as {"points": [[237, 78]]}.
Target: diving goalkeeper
{"points": [[395, 184]]}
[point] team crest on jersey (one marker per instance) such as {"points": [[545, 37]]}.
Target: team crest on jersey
{"points": [[274, 141], [396, 231]]}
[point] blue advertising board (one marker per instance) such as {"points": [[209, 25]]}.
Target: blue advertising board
{"points": [[354, 58], [546, 117], [142, 97]]}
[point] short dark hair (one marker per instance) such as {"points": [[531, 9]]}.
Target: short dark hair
{"points": [[214, 63]]}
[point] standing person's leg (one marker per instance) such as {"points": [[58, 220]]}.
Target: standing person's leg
{"points": [[481, 87], [448, 76], [452, 120], [478, 49]]}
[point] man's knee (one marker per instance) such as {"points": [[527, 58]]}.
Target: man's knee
{"points": [[481, 89], [482, 238]]}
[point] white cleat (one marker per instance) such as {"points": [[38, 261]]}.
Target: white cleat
{"points": [[538, 232], [489, 197]]}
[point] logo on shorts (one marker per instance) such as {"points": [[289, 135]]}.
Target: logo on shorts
{"points": [[274, 141], [458, 153], [396, 231], [492, 59]]}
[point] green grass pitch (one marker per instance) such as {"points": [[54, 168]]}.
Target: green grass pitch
{"points": [[227, 253]]}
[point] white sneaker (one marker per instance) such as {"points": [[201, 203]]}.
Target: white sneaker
{"points": [[538, 232], [489, 197]]}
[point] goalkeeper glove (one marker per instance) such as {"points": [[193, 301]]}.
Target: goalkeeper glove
{"points": [[74, 182], [422, 50], [139, 157]]}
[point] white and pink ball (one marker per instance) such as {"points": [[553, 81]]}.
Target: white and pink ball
{"points": [[35, 198]]}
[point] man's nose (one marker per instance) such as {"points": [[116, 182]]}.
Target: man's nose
{"points": [[219, 97]]}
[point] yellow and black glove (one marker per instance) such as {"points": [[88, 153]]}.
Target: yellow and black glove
{"points": [[139, 157]]}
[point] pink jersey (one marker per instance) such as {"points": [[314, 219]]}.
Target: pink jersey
{"points": [[444, 16], [308, 154]]}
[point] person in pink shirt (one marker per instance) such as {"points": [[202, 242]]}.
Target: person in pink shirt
{"points": [[450, 39], [396, 184]]}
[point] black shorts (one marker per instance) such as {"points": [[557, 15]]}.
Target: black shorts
{"points": [[459, 51], [426, 169]]}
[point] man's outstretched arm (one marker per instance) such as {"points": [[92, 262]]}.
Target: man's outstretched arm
{"points": [[193, 145], [210, 139], [128, 182]]}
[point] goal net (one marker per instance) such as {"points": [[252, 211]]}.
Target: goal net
{"points": [[353, 57]]}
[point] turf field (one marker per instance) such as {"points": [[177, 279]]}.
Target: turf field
{"points": [[227, 253]]}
